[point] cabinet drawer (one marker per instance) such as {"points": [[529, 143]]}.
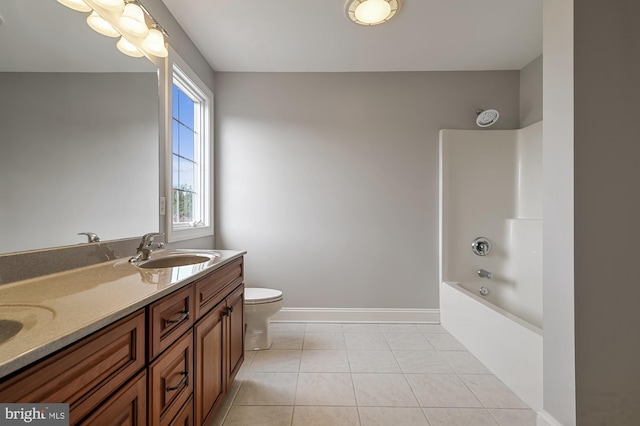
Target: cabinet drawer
{"points": [[185, 416], [171, 381], [209, 289], [128, 406], [169, 318], [85, 373]]}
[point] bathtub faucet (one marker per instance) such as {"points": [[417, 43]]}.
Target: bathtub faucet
{"points": [[483, 273]]}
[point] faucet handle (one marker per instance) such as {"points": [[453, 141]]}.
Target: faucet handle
{"points": [[93, 238]]}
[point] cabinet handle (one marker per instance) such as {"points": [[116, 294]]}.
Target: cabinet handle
{"points": [[183, 315], [230, 309], [181, 383]]}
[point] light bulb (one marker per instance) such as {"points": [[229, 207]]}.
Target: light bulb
{"points": [[132, 20], [112, 5], [127, 48], [99, 25], [373, 11], [78, 5], [154, 44]]}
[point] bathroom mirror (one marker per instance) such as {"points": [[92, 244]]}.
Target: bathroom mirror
{"points": [[79, 131]]}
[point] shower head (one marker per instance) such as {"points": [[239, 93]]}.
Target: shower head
{"points": [[486, 117]]}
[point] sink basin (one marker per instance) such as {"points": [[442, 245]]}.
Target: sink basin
{"points": [[16, 319], [175, 260]]}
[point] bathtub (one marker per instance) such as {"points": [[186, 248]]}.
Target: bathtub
{"points": [[509, 346]]}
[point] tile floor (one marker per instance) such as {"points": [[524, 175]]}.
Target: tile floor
{"points": [[368, 374]]}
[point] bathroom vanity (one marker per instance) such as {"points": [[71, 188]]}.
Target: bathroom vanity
{"points": [[127, 345]]}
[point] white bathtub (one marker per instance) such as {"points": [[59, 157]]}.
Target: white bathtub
{"points": [[509, 346]]}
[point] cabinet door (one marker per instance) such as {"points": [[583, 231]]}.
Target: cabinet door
{"points": [[171, 381], [169, 318], [235, 332], [127, 406], [209, 387]]}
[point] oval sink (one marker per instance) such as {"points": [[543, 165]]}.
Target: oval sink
{"points": [[16, 319], [174, 260]]}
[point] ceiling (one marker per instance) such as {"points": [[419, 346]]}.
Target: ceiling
{"points": [[317, 36]]}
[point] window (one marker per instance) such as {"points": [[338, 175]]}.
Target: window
{"points": [[188, 152]]}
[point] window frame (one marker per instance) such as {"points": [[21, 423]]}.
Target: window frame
{"points": [[177, 69]]}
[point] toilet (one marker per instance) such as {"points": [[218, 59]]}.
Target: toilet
{"points": [[260, 304]]}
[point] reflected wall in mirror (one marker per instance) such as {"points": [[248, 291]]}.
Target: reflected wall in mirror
{"points": [[79, 135]]}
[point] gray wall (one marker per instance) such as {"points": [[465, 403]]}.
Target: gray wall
{"points": [[330, 180], [607, 208], [79, 153], [531, 93], [558, 227]]}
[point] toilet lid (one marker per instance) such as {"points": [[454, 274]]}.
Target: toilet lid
{"points": [[254, 295]]}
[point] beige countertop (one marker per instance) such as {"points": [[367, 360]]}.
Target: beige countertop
{"points": [[59, 309]]}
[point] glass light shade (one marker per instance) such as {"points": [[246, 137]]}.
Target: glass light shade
{"points": [[112, 5], [78, 5], [132, 20], [372, 11], [154, 44], [127, 48], [99, 25]]}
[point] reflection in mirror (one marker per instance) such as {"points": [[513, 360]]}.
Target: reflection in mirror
{"points": [[79, 131]]}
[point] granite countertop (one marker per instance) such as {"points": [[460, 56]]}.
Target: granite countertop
{"points": [[59, 309]]}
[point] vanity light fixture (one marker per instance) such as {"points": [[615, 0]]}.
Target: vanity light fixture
{"points": [[99, 25], [140, 34], [372, 12], [128, 49], [132, 20]]}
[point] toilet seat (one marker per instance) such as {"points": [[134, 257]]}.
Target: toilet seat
{"points": [[257, 296]]}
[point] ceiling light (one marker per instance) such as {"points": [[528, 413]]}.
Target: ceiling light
{"points": [[78, 5], [372, 12], [99, 25], [127, 48], [112, 5], [132, 20], [154, 43]]}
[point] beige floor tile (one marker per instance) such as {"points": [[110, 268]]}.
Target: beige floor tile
{"points": [[373, 362], [232, 392], [262, 415], [324, 341], [383, 390], [267, 389], [287, 340], [392, 416], [429, 362], [408, 342], [492, 392], [220, 416], [325, 389], [325, 416], [366, 342], [459, 417], [287, 327], [513, 417], [431, 328], [324, 361], [276, 361], [444, 342], [323, 327], [361, 328], [441, 390], [398, 328], [464, 362]]}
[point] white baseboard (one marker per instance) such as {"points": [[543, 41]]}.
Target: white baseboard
{"points": [[364, 315], [546, 419]]}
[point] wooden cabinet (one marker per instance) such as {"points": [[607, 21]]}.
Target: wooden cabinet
{"points": [[86, 373], [170, 363]]}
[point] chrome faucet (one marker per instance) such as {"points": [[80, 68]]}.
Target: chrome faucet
{"points": [[483, 273], [146, 247]]}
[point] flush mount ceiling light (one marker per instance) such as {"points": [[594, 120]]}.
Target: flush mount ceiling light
{"points": [[372, 12]]}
